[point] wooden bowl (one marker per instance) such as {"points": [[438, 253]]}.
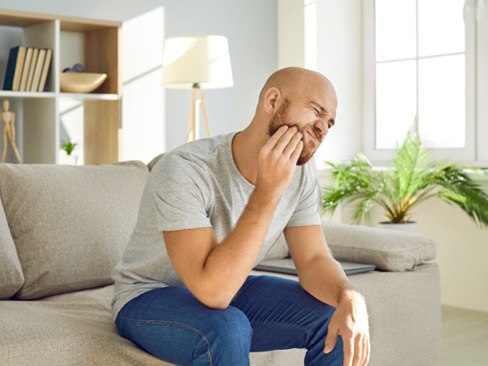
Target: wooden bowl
{"points": [[81, 82]]}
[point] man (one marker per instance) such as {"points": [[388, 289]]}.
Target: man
{"points": [[210, 211]]}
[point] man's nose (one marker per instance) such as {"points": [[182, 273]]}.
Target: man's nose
{"points": [[321, 127]]}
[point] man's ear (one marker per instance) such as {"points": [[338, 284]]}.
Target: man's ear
{"points": [[271, 99]]}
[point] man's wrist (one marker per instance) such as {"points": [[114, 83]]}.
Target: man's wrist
{"points": [[265, 197], [350, 295]]}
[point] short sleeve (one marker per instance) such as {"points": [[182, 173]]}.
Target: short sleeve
{"points": [[180, 193], [307, 212]]}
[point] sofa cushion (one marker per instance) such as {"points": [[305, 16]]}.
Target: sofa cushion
{"points": [[11, 277], [70, 224], [154, 161], [388, 250], [78, 329], [278, 250]]}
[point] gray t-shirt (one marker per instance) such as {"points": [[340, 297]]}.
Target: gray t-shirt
{"points": [[198, 185]]}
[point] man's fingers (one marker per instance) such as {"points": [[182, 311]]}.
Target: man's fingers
{"points": [[330, 340], [358, 351], [271, 143], [296, 153], [293, 144], [286, 139], [367, 350], [348, 351]]}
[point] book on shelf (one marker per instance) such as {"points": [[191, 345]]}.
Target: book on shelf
{"points": [[45, 70], [13, 71], [32, 67], [37, 71], [25, 69]]}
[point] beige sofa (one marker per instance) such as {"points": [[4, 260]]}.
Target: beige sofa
{"points": [[63, 228]]}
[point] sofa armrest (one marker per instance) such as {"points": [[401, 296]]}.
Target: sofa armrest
{"points": [[388, 250]]}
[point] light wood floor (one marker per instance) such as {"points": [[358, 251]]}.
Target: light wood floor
{"points": [[464, 337]]}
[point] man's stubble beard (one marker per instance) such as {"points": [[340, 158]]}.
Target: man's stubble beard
{"points": [[280, 118]]}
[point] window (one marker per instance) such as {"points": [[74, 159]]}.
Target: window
{"points": [[424, 59]]}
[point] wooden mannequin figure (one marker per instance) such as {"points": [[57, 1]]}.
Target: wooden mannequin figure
{"points": [[8, 131]]}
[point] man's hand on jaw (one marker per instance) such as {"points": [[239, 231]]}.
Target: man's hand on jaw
{"points": [[350, 321], [277, 161]]}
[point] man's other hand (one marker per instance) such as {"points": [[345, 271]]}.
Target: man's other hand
{"points": [[350, 321]]}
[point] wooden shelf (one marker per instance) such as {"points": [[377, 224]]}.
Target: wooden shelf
{"points": [[93, 43], [90, 96], [4, 94], [121, 120]]}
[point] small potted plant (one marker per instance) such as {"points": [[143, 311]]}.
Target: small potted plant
{"points": [[68, 148], [410, 179]]}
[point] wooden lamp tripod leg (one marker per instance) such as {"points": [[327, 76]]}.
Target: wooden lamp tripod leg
{"points": [[205, 115], [197, 105], [192, 132]]}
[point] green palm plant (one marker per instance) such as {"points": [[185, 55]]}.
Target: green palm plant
{"points": [[411, 179], [68, 146]]}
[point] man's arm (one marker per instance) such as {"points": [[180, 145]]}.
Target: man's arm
{"points": [[322, 277], [214, 272]]}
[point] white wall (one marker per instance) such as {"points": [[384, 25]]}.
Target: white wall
{"points": [[291, 33], [143, 106], [338, 50], [339, 56]]}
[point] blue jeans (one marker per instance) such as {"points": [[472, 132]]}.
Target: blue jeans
{"points": [[268, 313]]}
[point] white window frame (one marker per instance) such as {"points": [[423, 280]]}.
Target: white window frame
{"points": [[476, 149], [482, 81]]}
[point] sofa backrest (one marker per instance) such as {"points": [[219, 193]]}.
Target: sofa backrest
{"points": [[11, 277], [70, 224]]}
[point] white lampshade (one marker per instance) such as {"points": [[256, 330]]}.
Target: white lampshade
{"points": [[197, 60]]}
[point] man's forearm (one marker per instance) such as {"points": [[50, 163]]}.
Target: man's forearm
{"points": [[325, 280], [230, 262]]}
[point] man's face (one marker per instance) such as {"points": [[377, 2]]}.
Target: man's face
{"points": [[310, 121]]}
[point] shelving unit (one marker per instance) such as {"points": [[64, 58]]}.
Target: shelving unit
{"points": [[96, 45]]}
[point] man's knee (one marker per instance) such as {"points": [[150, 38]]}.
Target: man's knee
{"points": [[228, 338], [232, 326]]}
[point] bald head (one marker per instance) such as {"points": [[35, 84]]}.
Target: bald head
{"points": [[296, 80], [294, 97]]}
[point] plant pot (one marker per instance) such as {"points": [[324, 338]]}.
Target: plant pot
{"points": [[410, 227], [68, 159]]}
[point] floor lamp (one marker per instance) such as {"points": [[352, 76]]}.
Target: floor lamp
{"points": [[197, 63]]}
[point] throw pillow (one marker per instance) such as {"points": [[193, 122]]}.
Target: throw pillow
{"points": [[388, 250], [70, 224], [11, 277]]}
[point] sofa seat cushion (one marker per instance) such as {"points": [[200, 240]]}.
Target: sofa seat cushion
{"points": [[11, 277], [68, 329], [77, 329], [70, 224], [388, 250]]}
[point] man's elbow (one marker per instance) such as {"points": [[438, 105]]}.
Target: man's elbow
{"points": [[214, 300]]}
